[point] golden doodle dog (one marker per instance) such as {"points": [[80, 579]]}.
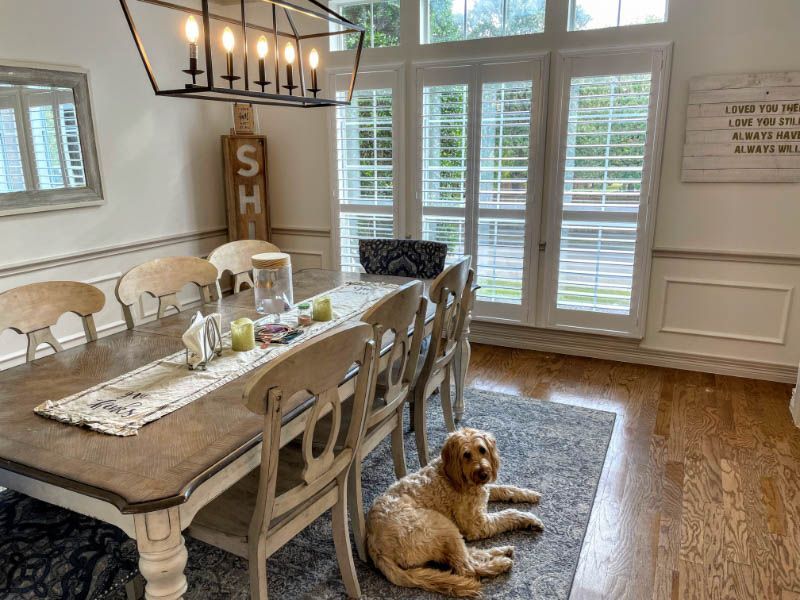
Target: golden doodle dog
{"points": [[424, 518]]}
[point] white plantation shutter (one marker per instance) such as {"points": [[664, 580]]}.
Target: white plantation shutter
{"points": [[12, 174], [476, 134], [366, 164], [600, 252]]}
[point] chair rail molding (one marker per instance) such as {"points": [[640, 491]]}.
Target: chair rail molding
{"points": [[750, 256], [300, 230]]}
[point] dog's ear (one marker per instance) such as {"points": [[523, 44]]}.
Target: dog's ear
{"points": [[451, 460], [494, 455]]}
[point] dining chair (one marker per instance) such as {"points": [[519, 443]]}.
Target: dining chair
{"points": [[295, 485], [234, 257], [448, 292], [422, 259], [163, 278], [391, 319], [32, 309]]}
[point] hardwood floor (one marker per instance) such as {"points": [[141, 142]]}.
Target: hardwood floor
{"points": [[700, 494]]}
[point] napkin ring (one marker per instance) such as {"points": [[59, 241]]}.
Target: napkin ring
{"points": [[210, 342]]}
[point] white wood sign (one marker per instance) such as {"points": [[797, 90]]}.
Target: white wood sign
{"points": [[743, 128]]}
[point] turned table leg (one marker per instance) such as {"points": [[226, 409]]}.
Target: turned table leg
{"points": [[162, 554]]}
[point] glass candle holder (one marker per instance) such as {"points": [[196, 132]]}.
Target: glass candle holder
{"points": [[242, 335], [322, 309], [272, 275]]}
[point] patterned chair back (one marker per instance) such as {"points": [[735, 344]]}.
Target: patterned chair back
{"points": [[421, 259]]}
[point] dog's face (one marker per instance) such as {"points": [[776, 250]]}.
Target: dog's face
{"points": [[470, 458]]}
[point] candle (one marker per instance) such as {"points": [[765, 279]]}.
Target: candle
{"points": [[289, 54], [242, 335], [262, 47], [228, 42], [313, 60], [192, 34], [323, 310]]}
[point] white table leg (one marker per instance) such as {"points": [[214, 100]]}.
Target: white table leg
{"points": [[162, 554]]}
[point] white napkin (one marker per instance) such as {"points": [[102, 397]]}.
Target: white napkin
{"points": [[193, 337]]}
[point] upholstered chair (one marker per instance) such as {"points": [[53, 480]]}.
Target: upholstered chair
{"points": [[420, 259]]}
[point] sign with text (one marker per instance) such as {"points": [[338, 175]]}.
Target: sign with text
{"points": [[245, 158], [743, 128]]}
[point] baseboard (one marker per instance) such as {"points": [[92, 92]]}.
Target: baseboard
{"points": [[794, 406], [624, 350]]}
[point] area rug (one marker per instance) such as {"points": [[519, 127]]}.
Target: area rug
{"points": [[556, 449]]}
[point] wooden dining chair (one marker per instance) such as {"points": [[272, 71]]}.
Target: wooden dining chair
{"points": [[391, 319], [295, 485], [31, 310], [163, 278], [448, 292], [234, 257]]}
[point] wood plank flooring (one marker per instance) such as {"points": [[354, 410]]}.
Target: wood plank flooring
{"points": [[700, 494]]}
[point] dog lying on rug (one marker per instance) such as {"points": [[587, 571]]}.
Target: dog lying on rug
{"points": [[424, 518]]}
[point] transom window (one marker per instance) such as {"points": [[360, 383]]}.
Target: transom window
{"points": [[380, 19], [454, 20], [599, 14]]}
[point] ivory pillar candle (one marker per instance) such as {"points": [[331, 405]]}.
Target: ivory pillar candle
{"points": [[323, 310]]}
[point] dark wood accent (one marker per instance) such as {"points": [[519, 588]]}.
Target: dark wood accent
{"points": [[700, 494], [162, 465]]}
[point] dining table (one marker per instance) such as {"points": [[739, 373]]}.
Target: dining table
{"points": [[150, 485]]}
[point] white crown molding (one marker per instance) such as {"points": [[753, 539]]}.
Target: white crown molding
{"points": [[624, 350], [727, 255], [60, 260]]}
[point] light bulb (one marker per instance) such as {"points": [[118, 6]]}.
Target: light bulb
{"points": [[228, 39], [192, 30], [313, 58], [262, 47], [289, 53]]}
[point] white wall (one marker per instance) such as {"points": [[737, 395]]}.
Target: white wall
{"points": [[160, 160], [737, 242]]}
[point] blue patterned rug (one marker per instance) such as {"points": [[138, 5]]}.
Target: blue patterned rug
{"points": [[556, 449]]}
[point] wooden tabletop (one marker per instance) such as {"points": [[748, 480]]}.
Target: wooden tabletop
{"points": [[170, 457]]}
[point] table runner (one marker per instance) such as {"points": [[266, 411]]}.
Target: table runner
{"points": [[121, 406]]}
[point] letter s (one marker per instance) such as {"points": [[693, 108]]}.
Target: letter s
{"points": [[252, 163]]}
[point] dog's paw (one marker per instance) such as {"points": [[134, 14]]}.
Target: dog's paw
{"points": [[534, 522], [532, 497], [502, 551], [504, 564]]}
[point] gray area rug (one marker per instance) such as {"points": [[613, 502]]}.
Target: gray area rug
{"points": [[556, 449]]}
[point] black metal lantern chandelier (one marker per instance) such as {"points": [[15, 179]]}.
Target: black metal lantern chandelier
{"points": [[250, 77]]}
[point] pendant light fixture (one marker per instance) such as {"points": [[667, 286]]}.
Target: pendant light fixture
{"points": [[253, 51]]}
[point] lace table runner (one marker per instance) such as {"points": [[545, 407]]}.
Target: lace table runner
{"points": [[124, 404]]}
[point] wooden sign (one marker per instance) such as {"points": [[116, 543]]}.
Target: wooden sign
{"points": [[245, 159], [244, 121], [743, 128]]}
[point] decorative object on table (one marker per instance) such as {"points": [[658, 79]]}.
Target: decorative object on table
{"points": [[246, 186], [448, 292], [304, 315], [421, 259], [32, 309], [243, 337], [244, 119], [742, 128], [122, 405], [555, 448], [234, 258], [272, 275], [163, 278], [230, 33], [203, 340], [51, 552], [322, 309]]}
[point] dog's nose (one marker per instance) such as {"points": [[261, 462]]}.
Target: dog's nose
{"points": [[483, 475]]}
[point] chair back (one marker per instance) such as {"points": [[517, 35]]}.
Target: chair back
{"points": [[422, 259], [163, 278], [234, 257], [32, 309], [307, 379], [393, 316], [448, 292]]}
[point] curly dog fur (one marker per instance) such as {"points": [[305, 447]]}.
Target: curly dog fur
{"points": [[424, 518]]}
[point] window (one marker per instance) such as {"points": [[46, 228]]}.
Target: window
{"points": [[476, 144], [454, 20], [598, 14], [367, 180], [610, 134], [380, 19], [47, 154]]}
